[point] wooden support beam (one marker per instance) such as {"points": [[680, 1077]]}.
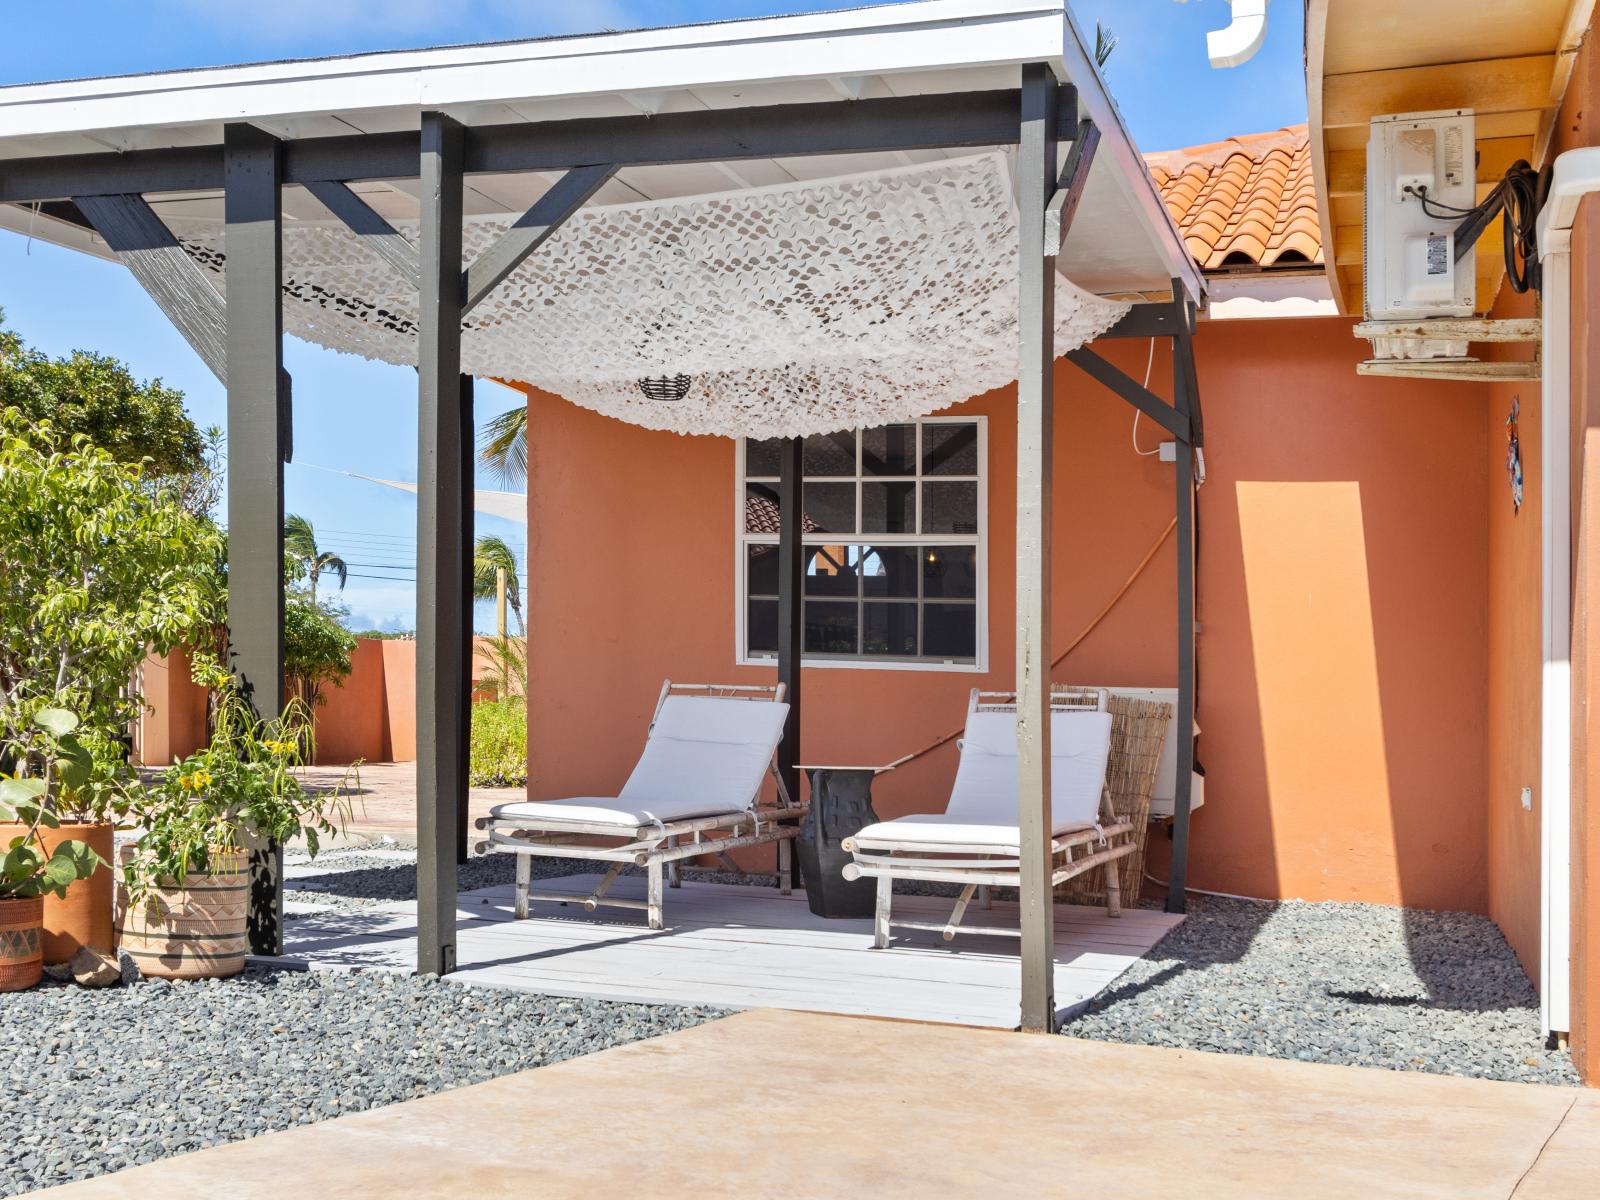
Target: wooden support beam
{"points": [[166, 272], [387, 242], [791, 608], [1063, 206], [1136, 394], [253, 240], [468, 436], [1185, 395], [1496, 85], [958, 120], [530, 231], [1036, 181], [443, 460]]}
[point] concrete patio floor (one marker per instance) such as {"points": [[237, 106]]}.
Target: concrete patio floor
{"points": [[784, 1104], [386, 801]]}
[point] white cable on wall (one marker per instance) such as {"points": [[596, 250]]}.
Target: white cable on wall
{"points": [[1149, 363]]}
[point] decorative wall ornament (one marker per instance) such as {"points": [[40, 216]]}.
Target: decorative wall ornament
{"points": [[807, 307], [1514, 454]]}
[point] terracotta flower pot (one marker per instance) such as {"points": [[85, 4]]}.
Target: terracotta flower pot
{"points": [[21, 963], [196, 931], [83, 916]]}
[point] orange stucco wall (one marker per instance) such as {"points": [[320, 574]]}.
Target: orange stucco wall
{"points": [[352, 719], [1342, 601]]}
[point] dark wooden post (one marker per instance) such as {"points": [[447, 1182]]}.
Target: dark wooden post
{"points": [[443, 472], [257, 444], [1185, 395], [469, 549], [1036, 265], [791, 609]]}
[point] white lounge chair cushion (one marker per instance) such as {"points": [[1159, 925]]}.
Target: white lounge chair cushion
{"points": [[936, 830], [984, 797], [600, 810], [705, 756]]}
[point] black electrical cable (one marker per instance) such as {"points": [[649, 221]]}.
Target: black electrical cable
{"points": [[1520, 193]]}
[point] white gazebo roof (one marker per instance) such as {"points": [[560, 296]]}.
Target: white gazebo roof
{"points": [[1122, 240]]}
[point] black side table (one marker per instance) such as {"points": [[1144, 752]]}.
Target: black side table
{"points": [[841, 804]]}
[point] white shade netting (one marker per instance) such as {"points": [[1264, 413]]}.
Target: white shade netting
{"points": [[802, 308]]}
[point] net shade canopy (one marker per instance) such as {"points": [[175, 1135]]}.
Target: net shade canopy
{"points": [[780, 311]]}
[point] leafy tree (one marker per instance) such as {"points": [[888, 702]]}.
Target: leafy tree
{"points": [[490, 556], [300, 544], [503, 448], [316, 649], [96, 396], [97, 564]]}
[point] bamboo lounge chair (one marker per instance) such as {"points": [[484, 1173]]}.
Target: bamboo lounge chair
{"points": [[976, 841], [705, 755]]}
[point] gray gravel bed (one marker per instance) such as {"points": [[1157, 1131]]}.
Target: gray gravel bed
{"points": [[1357, 984], [100, 1080]]}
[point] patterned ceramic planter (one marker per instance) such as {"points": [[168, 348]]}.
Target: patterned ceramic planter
{"points": [[196, 931], [21, 943]]}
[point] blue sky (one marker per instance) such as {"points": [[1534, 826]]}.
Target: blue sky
{"points": [[362, 416]]}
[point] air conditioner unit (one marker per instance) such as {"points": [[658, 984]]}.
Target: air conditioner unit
{"points": [[1421, 170]]}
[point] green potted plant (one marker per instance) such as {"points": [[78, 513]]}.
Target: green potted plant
{"points": [[50, 765], [183, 898]]}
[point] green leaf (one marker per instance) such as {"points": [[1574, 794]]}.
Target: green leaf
{"points": [[57, 721], [21, 791], [20, 863], [75, 766]]}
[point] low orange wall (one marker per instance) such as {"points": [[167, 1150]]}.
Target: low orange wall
{"points": [[1342, 599], [371, 716]]}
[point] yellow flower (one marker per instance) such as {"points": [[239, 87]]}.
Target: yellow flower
{"points": [[186, 782], [202, 779]]}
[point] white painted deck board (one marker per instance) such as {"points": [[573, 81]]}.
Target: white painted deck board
{"points": [[738, 947]]}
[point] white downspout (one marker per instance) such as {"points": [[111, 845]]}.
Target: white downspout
{"points": [[1239, 42], [1575, 175]]}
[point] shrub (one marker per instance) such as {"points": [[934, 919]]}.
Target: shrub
{"points": [[499, 749], [96, 565]]}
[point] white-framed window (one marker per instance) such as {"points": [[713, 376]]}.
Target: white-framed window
{"points": [[895, 526]]}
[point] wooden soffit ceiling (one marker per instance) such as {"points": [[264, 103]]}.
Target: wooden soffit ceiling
{"points": [[1508, 60]]}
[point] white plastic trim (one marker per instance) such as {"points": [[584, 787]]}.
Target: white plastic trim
{"points": [[1239, 42], [1575, 174]]}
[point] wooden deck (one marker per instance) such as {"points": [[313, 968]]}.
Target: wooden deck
{"points": [[738, 947]]}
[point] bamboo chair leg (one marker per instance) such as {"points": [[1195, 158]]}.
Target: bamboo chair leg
{"points": [[959, 911], [524, 878], [880, 922], [674, 874], [1113, 890], [785, 849], [606, 880], [986, 894], [653, 886]]}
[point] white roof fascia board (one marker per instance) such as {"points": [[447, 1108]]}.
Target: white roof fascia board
{"points": [[1132, 174], [932, 35]]}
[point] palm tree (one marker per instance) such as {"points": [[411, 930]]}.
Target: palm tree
{"points": [[300, 544], [491, 556], [503, 448]]}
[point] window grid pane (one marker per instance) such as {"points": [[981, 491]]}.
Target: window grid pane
{"points": [[843, 618]]}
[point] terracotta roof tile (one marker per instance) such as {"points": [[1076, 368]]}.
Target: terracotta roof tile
{"points": [[1248, 201]]}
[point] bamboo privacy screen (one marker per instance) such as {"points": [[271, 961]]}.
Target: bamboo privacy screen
{"points": [[1138, 729]]}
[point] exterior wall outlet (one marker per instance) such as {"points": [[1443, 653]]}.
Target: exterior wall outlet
{"points": [[1169, 452], [1527, 799]]}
